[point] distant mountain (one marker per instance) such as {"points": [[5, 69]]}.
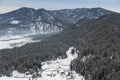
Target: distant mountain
{"points": [[71, 16], [46, 21], [29, 18]]}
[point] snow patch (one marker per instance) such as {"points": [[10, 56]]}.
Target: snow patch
{"points": [[15, 22]]}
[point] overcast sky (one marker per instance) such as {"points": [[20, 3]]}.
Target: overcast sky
{"points": [[9, 5]]}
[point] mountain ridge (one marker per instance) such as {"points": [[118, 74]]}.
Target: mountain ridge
{"points": [[29, 17]]}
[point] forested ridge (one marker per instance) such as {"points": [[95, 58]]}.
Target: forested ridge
{"points": [[100, 58]]}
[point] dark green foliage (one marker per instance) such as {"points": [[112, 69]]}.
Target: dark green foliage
{"points": [[97, 68], [100, 57], [30, 56]]}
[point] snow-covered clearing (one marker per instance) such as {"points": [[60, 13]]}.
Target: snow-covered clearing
{"points": [[52, 70]]}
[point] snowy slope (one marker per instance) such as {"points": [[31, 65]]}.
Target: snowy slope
{"points": [[52, 70]]}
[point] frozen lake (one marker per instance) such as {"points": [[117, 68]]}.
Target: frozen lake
{"points": [[10, 38]]}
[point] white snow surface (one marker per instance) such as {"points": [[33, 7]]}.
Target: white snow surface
{"points": [[52, 70]]}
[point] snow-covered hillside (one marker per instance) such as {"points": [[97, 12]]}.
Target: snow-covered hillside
{"points": [[52, 70], [44, 28]]}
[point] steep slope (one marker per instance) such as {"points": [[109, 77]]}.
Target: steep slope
{"points": [[100, 58]]}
